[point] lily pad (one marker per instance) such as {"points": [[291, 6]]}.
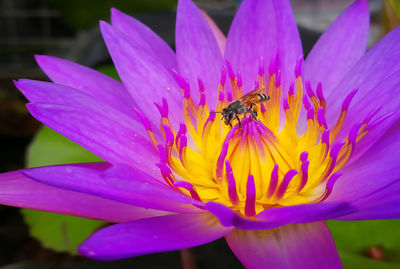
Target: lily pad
{"points": [[354, 238], [352, 261], [56, 231], [396, 7], [50, 148], [59, 232]]}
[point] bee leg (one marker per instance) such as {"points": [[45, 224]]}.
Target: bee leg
{"points": [[253, 114], [240, 124], [251, 108]]}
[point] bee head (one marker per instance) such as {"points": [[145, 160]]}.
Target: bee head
{"points": [[227, 115]]}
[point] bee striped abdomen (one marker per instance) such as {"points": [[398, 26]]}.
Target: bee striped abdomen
{"points": [[263, 97]]}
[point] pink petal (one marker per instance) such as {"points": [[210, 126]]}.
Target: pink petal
{"points": [[280, 216], [18, 190], [383, 204], [372, 183], [339, 48], [105, 89], [143, 74], [219, 36], [373, 75], [197, 50], [120, 183], [289, 247], [103, 136], [144, 37], [260, 29], [46, 92], [152, 235], [382, 95]]}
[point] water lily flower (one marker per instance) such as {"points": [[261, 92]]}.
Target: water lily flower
{"points": [[325, 146]]}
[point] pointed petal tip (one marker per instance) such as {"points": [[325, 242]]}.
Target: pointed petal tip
{"points": [[364, 2], [104, 26], [31, 107], [115, 11], [41, 58], [21, 84], [16, 82], [180, 2], [107, 30], [116, 15], [183, 4], [45, 61], [359, 6]]}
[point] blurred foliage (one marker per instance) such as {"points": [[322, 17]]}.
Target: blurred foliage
{"points": [[82, 14], [351, 260], [390, 15], [50, 148], [109, 70], [395, 6], [59, 232], [354, 238]]}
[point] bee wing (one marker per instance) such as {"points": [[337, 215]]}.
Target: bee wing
{"points": [[251, 97]]}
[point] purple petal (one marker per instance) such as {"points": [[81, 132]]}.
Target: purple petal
{"points": [[339, 48], [289, 44], [260, 29], [383, 204], [107, 90], [144, 37], [380, 62], [276, 217], [372, 182], [305, 213], [152, 235], [197, 50], [120, 183], [289, 247], [104, 136], [383, 95], [377, 78], [46, 92], [145, 77], [219, 36], [18, 190]]}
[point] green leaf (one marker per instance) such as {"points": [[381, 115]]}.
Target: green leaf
{"points": [[56, 231], [396, 7], [354, 238], [109, 70], [352, 261], [59, 232], [50, 148]]}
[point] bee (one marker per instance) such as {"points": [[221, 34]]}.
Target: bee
{"points": [[243, 105]]}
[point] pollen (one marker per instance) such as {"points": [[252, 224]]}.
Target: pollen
{"points": [[263, 163]]}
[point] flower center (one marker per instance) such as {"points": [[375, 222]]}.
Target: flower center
{"points": [[260, 164]]}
